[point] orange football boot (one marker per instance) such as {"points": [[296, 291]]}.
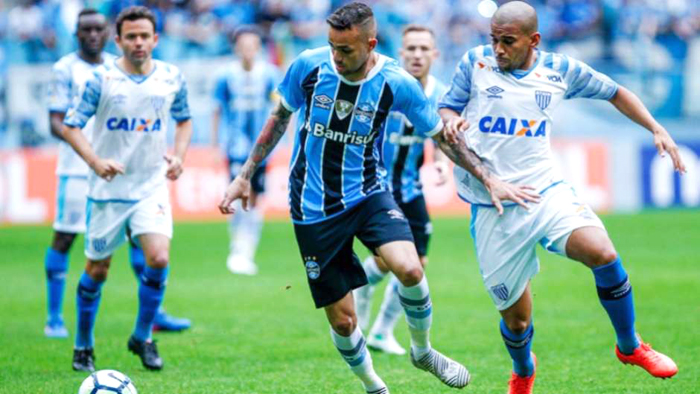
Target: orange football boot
{"points": [[522, 384], [657, 364]]}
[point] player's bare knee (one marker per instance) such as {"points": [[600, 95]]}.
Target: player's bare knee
{"points": [[411, 276], [98, 270], [517, 324], [603, 256], [159, 259], [344, 325]]}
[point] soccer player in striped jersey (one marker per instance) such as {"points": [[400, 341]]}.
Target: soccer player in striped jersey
{"points": [[508, 91], [343, 95], [69, 76], [403, 157], [244, 93], [131, 100]]}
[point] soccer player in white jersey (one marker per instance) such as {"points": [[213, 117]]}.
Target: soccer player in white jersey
{"points": [[508, 92], [403, 158], [70, 74], [244, 94], [131, 100]]}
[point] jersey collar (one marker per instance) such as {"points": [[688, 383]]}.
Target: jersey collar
{"points": [[520, 74]]}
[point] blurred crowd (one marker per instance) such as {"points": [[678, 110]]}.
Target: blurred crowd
{"points": [[634, 35]]}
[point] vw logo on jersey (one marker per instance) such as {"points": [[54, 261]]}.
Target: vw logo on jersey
{"points": [[543, 99], [500, 291], [495, 92], [364, 112], [322, 101], [343, 108]]}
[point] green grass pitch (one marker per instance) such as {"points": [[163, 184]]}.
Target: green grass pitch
{"points": [[262, 335]]}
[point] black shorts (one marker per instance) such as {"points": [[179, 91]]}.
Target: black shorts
{"points": [[332, 267], [416, 212], [257, 182]]}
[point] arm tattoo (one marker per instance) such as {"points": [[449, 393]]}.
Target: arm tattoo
{"points": [[271, 133], [464, 157]]}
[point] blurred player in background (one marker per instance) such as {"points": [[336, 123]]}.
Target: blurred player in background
{"points": [[403, 157], [67, 84], [131, 100], [244, 93], [343, 95], [510, 90]]}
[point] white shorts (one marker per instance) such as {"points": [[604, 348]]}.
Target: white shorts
{"points": [[505, 245], [107, 222], [71, 199]]}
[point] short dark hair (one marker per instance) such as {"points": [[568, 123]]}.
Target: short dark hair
{"points": [[417, 28], [350, 15], [134, 13], [87, 11], [245, 29]]}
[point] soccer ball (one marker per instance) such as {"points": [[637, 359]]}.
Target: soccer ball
{"points": [[107, 381]]}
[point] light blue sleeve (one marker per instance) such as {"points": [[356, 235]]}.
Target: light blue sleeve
{"points": [[290, 90], [78, 115], [584, 82], [60, 88], [458, 94], [221, 91], [180, 110], [411, 101]]}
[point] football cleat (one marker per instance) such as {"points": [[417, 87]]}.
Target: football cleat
{"points": [[238, 264], [165, 322], [363, 305], [657, 364], [522, 384], [55, 330], [385, 343], [84, 360], [450, 372], [383, 390], [147, 351]]}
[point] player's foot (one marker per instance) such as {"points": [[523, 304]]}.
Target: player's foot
{"points": [[165, 322], [383, 390], [522, 384], [239, 264], [385, 343], [55, 329], [84, 360], [147, 351], [363, 305], [657, 364], [447, 370]]}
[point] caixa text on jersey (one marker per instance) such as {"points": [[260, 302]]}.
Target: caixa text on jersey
{"points": [[133, 124]]}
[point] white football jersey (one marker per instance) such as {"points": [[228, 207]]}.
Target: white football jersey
{"points": [[131, 120], [510, 115], [68, 79]]}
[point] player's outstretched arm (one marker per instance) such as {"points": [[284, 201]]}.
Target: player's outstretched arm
{"points": [[631, 106], [183, 135], [451, 142], [272, 132], [104, 168]]}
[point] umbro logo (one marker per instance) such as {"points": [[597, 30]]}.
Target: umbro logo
{"points": [[396, 214], [494, 92], [322, 101]]}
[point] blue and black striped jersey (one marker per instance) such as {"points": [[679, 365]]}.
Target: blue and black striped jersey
{"points": [[403, 149], [336, 161]]}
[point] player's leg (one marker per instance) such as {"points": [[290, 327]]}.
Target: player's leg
{"points": [[385, 229], [88, 302], [517, 332], [245, 228], [348, 339], [163, 321], [56, 267], [333, 271], [592, 246], [381, 336], [151, 224]]}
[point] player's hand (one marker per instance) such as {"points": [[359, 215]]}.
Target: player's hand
{"points": [[174, 167], [664, 143], [441, 168], [107, 169], [238, 189], [520, 195], [455, 126]]}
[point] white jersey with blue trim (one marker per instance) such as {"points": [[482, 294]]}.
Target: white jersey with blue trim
{"points": [[68, 78], [131, 120], [510, 115]]}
